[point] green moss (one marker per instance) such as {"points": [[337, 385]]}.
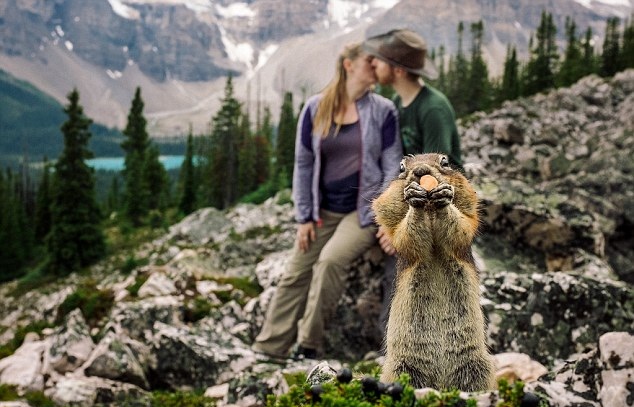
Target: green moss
{"points": [[131, 263], [249, 286], [196, 309], [18, 338], [93, 303], [133, 289], [295, 379], [38, 399], [8, 393], [367, 367], [34, 398], [35, 278], [181, 399]]}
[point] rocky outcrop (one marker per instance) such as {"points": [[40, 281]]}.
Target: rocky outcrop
{"points": [[556, 297], [563, 181]]}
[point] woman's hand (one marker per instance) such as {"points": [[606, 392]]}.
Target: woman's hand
{"points": [[305, 235], [385, 242]]}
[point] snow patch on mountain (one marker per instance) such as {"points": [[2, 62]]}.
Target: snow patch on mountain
{"points": [[122, 8], [346, 12], [235, 10], [124, 11], [588, 3], [239, 52]]}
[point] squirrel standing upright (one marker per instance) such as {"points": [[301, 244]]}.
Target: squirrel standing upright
{"points": [[436, 328]]}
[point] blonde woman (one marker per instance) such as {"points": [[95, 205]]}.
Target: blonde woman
{"points": [[347, 149]]}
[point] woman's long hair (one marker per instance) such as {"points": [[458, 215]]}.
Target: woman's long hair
{"points": [[331, 103]]}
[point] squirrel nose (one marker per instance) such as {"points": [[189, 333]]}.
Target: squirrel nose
{"points": [[420, 171]]}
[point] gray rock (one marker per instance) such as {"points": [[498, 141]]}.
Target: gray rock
{"points": [[115, 359], [71, 345], [93, 391]]}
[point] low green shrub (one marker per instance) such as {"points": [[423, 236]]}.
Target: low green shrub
{"points": [[196, 309], [33, 398], [8, 393], [249, 286], [33, 279], [93, 303], [181, 399], [368, 392], [140, 279], [18, 338]]}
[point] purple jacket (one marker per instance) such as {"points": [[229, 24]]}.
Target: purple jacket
{"points": [[380, 158]]}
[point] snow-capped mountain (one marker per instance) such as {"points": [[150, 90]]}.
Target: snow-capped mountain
{"points": [[180, 51]]}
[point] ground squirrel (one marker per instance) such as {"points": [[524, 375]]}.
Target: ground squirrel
{"points": [[436, 329]]}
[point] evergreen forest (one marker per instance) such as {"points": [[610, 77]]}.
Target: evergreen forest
{"points": [[65, 216]]}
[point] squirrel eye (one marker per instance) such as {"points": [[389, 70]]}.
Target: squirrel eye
{"points": [[444, 161], [402, 166]]}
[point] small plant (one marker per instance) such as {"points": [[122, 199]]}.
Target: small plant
{"points": [[35, 278], [295, 379], [130, 264], [93, 303], [511, 394], [8, 393], [196, 309], [18, 338], [34, 398], [38, 399], [249, 286], [181, 399], [140, 279]]}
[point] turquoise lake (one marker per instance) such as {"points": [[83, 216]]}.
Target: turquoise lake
{"points": [[170, 162]]}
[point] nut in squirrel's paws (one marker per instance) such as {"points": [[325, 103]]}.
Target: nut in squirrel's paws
{"points": [[428, 182]]}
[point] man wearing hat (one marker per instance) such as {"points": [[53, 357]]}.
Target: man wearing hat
{"points": [[427, 119]]}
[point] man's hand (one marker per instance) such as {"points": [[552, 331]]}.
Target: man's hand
{"points": [[305, 235], [385, 241]]}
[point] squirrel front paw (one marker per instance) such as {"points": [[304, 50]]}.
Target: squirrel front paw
{"points": [[415, 195], [441, 196]]}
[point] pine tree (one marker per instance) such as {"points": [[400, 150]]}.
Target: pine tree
{"points": [[187, 182], [588, 59], [442, 82], [113, 203], [136, 144], [611, 53], [25, 207], [510, 88], [221, 156], [479, 88], [457, 76], [571, 69], [43, 204], [155, 179], [76, 238], [627, 50], [285, 147], [540, 70], [263, 141], [247, 177], [12, 253]]}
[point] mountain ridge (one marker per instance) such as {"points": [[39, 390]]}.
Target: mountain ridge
{"points": [[179, 52]]}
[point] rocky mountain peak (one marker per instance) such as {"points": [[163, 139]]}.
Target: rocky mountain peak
{"points": [[180, 51]]}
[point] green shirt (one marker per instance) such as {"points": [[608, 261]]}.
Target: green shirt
{"points": [[428, 125]]}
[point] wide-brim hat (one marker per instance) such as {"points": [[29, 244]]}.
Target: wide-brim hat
{"points": [[403, 48]]}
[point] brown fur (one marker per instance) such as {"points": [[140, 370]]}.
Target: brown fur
{"points": [[436, 330]]}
